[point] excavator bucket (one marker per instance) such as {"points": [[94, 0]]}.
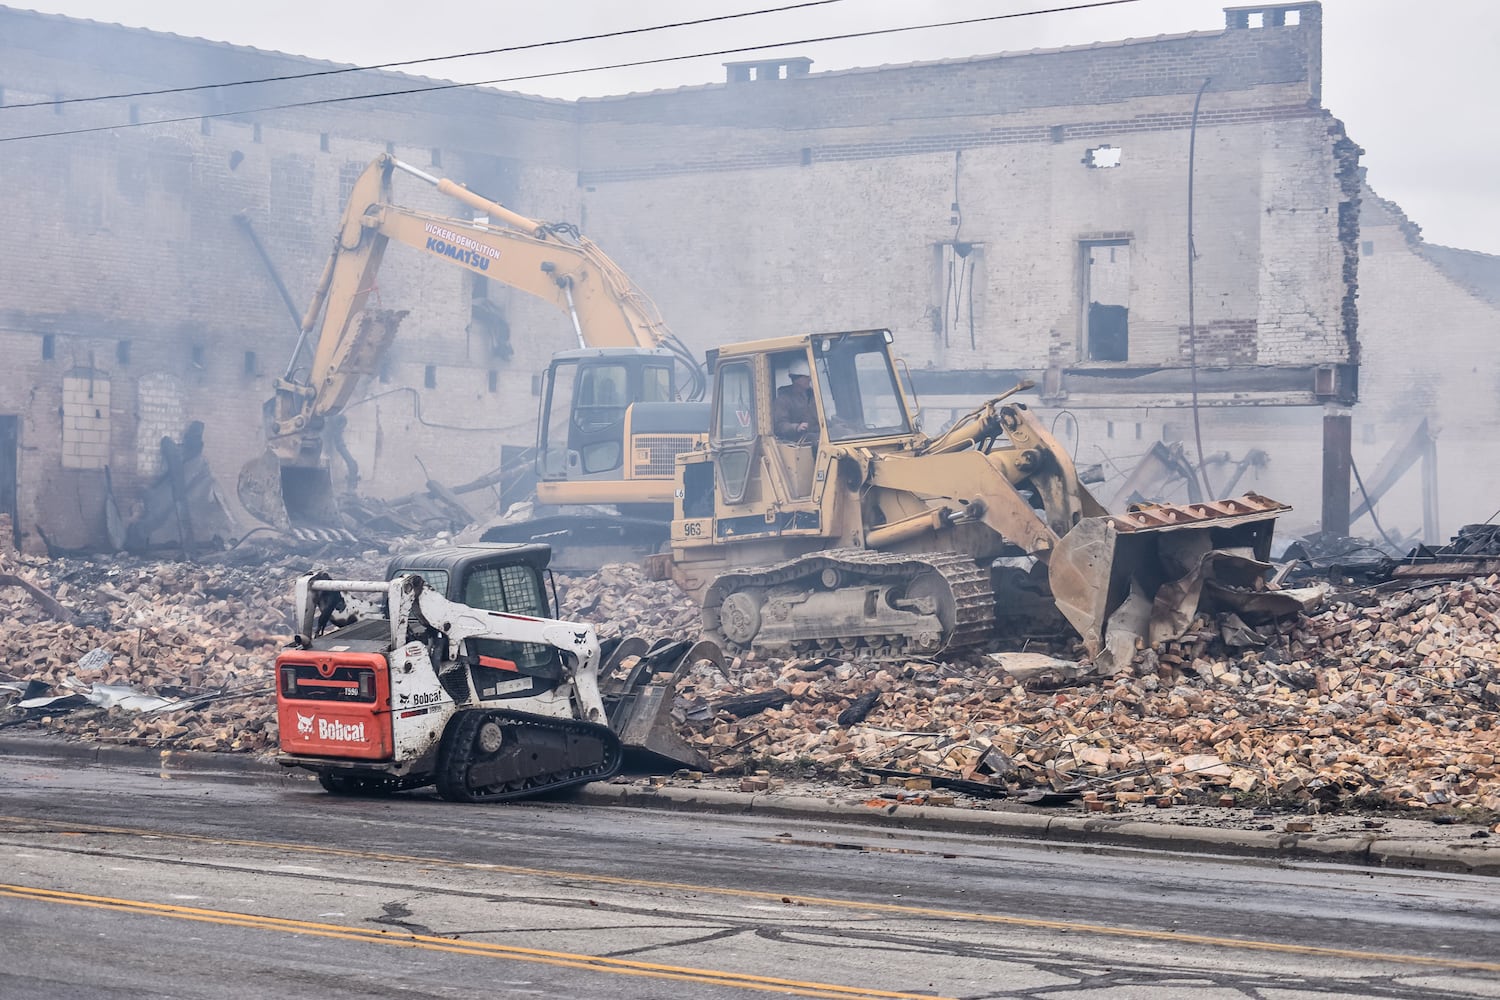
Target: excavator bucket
{"points": [[287, 496], [1142, 574]]}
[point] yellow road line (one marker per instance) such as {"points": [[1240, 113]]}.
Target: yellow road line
{"points": [[479, 949], [1034, 923]]}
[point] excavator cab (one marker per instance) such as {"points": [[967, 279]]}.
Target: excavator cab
{"points": [[588, 399]]}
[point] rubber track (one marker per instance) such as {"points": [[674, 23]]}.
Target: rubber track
{"points": [[970, 584], [458, 753]]}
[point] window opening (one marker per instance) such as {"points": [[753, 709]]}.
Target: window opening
{"points": [[1106, 295]]}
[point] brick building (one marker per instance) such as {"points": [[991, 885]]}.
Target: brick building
{"points": [[1021, 215]]}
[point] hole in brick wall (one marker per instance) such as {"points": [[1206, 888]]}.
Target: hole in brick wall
{"points": [[429, 377], [1292, 17], [1103, 157], [1057, 132], [1255, 19], [49, 347]]}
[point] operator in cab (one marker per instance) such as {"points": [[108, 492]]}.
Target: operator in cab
{"points": [[795, 412]]}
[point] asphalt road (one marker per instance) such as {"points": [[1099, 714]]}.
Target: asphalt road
{"points": [[117, 883]]}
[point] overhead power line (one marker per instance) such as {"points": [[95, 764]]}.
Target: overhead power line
{"points": [[510, 49], [566, 72]]}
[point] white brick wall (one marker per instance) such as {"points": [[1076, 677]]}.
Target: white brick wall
{"points": [[86, 422]]}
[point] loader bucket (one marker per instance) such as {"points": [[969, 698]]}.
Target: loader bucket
{"points": [[1163, 554], [638, 701], [287, 496]]}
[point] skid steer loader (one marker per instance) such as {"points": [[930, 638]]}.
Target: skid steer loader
{"points": [[451, 673], [863, 535]]}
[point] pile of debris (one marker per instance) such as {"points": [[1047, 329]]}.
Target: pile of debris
{"points": [[169, 654], [1388, 696]]}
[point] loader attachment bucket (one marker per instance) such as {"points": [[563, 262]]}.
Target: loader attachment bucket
{"points": [[287, 496], [1146, 570], [639, 684]]}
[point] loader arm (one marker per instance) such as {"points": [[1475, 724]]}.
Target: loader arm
{"points": [[460, 622], [975, 477]]}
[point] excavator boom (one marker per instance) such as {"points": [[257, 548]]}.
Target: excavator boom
{"points": [[552, 262]]}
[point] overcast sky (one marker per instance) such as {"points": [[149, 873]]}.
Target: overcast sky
{"points": [[1412, 81]]}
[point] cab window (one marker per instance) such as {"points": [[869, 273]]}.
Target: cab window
{"points": [[736, 403]]}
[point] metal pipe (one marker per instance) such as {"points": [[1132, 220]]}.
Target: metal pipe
{"points": [[475, 201], [567, 287]]}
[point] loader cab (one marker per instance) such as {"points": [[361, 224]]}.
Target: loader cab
{"points": [[858, 392], [587, 399], [856, 397], [507, 579]]}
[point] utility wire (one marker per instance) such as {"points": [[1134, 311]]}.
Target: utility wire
{"points": [[416, 62], [563, 72]]}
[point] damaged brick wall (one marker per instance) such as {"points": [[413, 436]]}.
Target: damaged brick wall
{"points": [[838, 219], [1428, 319], [125, 257], [820, 202]]}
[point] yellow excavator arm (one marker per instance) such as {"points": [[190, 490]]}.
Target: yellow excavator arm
{"points": [[552, 262]]}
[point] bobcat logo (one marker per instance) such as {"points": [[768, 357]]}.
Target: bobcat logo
{"points": [[305, 724]]}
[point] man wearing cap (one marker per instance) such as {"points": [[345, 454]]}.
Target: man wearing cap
{"points": [[795, 414]]}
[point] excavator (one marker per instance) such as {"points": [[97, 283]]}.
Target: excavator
{"points": [[864, 537], [614, 411]]}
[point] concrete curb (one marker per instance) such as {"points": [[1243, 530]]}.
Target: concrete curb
{"points": [[1369, 851]]}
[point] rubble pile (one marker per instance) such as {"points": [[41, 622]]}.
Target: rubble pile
{"points": [[620, 601], [167, 654], [1387, 696], [1381, 700]]}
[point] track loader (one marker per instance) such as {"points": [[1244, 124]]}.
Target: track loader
{"points": [[451, 673], [863, 535]]}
